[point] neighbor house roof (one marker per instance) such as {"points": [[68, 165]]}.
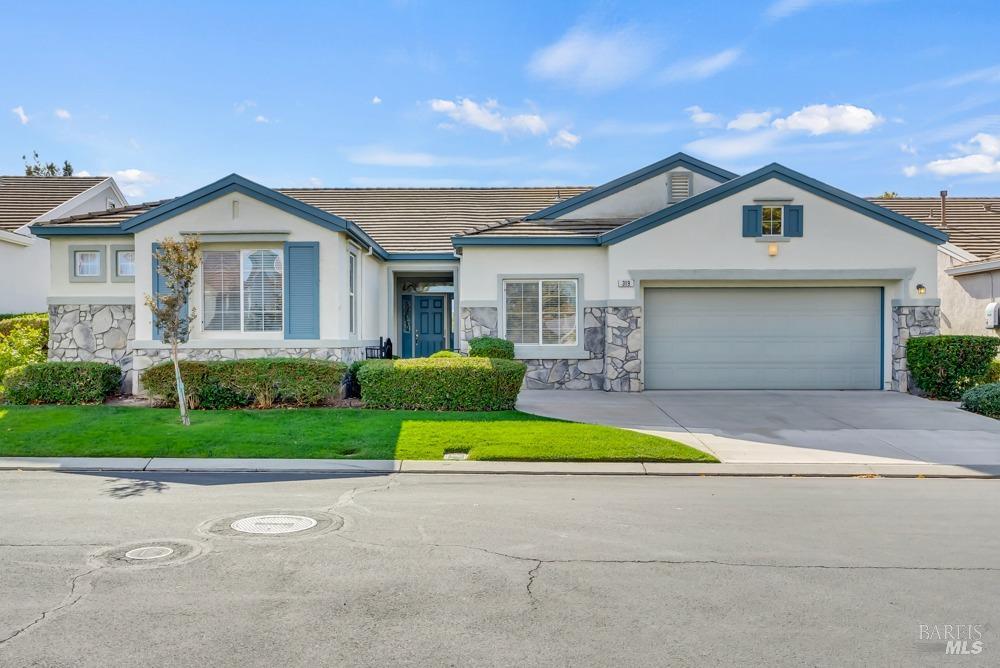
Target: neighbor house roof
{"points": [[109, 217], [24, 198], [973, 223]]}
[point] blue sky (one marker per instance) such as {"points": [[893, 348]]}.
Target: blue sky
{"points": [[865, 95]]}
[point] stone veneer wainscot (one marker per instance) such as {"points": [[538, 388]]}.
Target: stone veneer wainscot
{"points": [[910, 321], [93, 332]]}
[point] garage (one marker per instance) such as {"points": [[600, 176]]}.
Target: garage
{"points": [[761, 338]]}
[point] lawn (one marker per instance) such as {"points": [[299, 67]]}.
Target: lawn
{"points": [[310, 433]]}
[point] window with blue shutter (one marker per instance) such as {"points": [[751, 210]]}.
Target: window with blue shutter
{"points": [[302, 290], [793, 220], [752, 221]]}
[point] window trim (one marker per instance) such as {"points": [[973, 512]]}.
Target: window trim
{"points": [[781, 222], [102, 263], [353, 293], [113, 251], [543, 350], [243, 252]]}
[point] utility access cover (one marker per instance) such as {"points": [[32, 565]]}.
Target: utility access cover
{"points": [[273, 524]]}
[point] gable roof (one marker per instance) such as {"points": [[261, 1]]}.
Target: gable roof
{"points": [[96, 219], [527, 231], [973, 223], [631, 179], [25, 198]]}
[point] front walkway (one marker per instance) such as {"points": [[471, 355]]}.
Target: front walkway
{"points": [[787, 427]]}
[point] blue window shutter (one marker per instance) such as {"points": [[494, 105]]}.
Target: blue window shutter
{"points": [[752, 225], [157, 288], [793, 220], [302, 290]]}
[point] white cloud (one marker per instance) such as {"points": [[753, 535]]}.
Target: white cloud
{"points": [[968, 164], [594, 61], [376, 100], [910, 170], [750, 120], [240, 107], [486, 116], [702, 117], [386, 157], [732, 146], [261, 119], [133, 181], [908, 147], [984, 143], [21, 116], [63, 114], [81, 172], [821, 119], [701, 68], [565, 139], [315, 182]]}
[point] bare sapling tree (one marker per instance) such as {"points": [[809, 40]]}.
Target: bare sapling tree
{"points": [[177, 264]]}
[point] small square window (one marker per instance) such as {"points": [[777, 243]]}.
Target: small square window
{"points": [[771, 221], [125, 263], [87, 263]]}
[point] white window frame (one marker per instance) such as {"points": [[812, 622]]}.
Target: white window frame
{"points": [[781, 220], [244, 253], [116, 276], [540, 280], [353, 291]]}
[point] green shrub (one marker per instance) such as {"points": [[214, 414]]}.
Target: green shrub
{"points": [[984, 399], [21, 344], [61, 383], [490, 346], [252, 382], [462, 384], [993, 373], [945, 366], [38, 321], [444, 354]]}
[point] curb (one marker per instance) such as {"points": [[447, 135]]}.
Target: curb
{"points": [[383, 467]]}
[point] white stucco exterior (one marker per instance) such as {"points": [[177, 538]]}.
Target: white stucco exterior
{"points": [[642, 198], [964, 297]]}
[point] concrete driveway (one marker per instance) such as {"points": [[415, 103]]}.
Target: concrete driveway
{"points": [[822, 427]]}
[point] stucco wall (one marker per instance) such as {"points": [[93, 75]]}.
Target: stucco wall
{"points": [[638, 200], [482, 265], [964, 299], [25, 276], [62, 287]]}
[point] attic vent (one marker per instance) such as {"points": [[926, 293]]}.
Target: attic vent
{"points": [[678, 186]]}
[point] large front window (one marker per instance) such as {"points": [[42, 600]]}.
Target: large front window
{"points": [[243, 291], [540, 312]]}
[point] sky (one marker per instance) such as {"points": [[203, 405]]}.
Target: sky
{"points": [[866, 95]]}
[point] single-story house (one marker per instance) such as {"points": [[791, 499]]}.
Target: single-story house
{"points": [[969, 264], [24, 257], [678, 275]]}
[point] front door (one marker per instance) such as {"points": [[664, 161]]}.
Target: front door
{"points": [[429, 334]]}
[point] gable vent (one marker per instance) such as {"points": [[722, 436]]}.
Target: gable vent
{"points": [[678, 186]]}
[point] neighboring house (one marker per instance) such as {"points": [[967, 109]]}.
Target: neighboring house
{"points": [[969, 264], [24, 258], [679, 275]]}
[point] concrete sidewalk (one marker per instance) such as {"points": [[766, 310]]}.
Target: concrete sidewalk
{"points": [[382, 467]]}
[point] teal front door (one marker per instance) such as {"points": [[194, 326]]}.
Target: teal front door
{"points": [[429, 332]]}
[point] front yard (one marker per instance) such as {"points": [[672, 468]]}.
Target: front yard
{"points": [[322, 433]]}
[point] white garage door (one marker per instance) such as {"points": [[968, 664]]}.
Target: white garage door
{"points": [[763, 338]]}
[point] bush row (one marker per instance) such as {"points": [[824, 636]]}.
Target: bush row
{"points": [[252, 382], [983, 399], [945, 366], [446, 383], [61, 383], [39, 321]]}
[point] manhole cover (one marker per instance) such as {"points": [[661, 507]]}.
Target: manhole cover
{"points": [[273, 524], [152, 552]]}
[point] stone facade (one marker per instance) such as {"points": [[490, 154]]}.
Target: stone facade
{"points": [[623, 349], [909, 322], [93, 332], [478, 321]]}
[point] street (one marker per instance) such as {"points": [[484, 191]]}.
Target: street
{"points": [[497, 570]]}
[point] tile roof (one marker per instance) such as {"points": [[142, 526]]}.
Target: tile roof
{"points": [[548, 227], [423, 220], [103, 218], [973, 223], [24, 198]]}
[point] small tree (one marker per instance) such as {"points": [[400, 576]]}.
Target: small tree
{"points": [[36, 168], [889, 194], [177, 263]]}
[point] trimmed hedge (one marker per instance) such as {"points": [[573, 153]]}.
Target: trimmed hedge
{"points": [[490, 346], [252, 382], [945, 366], [984, 399], [61, 383], [442, 384], [444, 354]]}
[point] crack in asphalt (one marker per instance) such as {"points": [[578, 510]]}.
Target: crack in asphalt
{"points": [[68, 601], [347, 498]]}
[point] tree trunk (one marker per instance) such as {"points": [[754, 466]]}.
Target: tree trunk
{"points": [[181, 396]]}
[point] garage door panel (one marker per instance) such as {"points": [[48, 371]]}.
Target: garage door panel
{"points": [[763, 338]]}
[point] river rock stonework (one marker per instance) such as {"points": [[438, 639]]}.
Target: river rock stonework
{"points": [[623, 349], [577, 374], [478, 321], [93, 332], [909, 322]]}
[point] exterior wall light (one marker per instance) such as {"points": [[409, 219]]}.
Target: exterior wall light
{"points": [[921, 289], [772, 249]]}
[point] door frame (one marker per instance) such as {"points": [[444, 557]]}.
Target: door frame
{"points": [[411, 337]]}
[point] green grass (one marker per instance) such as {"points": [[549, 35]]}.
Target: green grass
{"points": [[309, 433]]}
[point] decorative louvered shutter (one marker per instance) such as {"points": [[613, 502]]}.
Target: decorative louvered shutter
{"points": [[793, 220], [752, 223], [302, 290]]}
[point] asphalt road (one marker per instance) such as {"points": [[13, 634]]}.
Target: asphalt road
{"points": [[440, 570]]}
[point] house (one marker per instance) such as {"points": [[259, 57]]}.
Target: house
{"points": [[24, 258], [969, 264], [679, 275]]}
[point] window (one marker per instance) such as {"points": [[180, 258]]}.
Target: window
{"points": [[542, 312], [771, 221], [125, 263], [242, 291], [87, 263], [352, 292]]}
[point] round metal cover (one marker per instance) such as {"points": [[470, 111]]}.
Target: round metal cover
{"points": [[273, 524], [151, 552]]}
